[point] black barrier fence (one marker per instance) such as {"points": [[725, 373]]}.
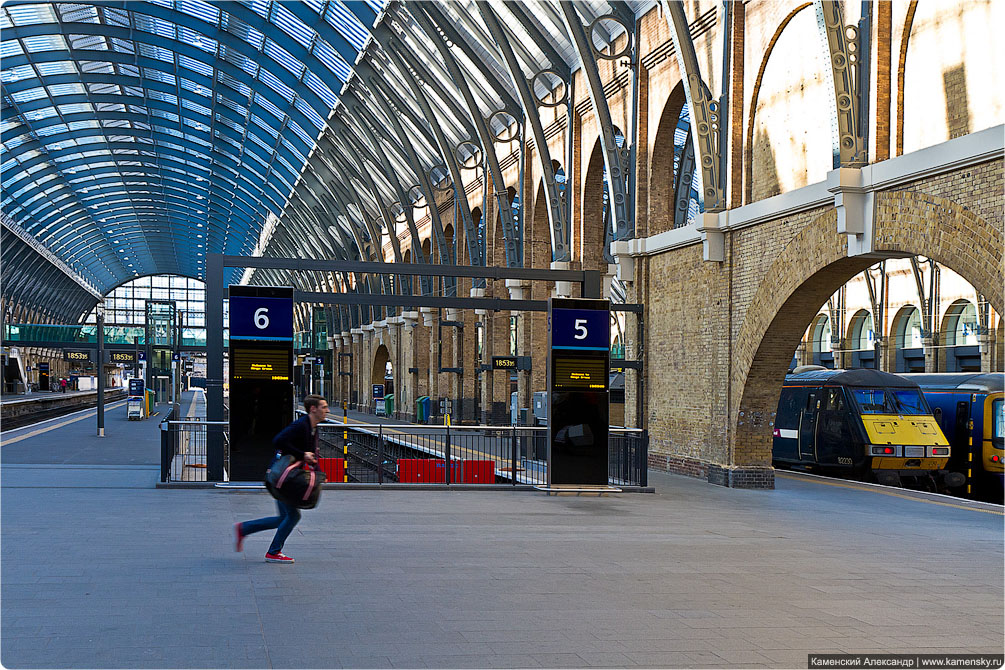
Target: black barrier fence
{"points": [[409, 454], [380, 453], [183, 449]]}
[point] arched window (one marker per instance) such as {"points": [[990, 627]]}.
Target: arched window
{"points": [[862, 335], [822, 334], [961, 324], [687, 176], [909, 329]]}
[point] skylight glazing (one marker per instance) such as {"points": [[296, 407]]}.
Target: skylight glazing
{"points": [[168, 91]]}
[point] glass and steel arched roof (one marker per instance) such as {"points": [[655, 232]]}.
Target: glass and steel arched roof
{"points": [[137, 136]]}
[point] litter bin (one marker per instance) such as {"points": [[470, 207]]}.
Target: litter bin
{"points": [[389, 404], [422, 408], [150, 395]]}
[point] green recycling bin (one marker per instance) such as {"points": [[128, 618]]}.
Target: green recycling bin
{"points": [[389, 404], [422, 407]]}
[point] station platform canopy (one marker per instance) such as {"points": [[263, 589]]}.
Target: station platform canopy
{"points": [[139, 136]]}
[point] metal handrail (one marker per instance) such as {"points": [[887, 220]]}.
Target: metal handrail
{"points": [[189, 422]]}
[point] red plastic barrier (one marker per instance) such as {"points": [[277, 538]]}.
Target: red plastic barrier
{"points": [[479, 472], [334, 469], [426, 471]]}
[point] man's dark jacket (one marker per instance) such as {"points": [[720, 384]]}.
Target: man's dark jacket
{"points": [[297, 438]]}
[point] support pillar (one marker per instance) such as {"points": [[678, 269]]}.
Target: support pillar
{"points": [[931, 354]]}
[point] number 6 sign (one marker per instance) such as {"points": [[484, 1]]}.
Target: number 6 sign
{"points": [[260, 318]]}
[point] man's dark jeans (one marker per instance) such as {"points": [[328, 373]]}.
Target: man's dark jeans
{"points": [[288, 518]]}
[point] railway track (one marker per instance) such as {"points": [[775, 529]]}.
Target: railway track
{"points": [[16, 422]]}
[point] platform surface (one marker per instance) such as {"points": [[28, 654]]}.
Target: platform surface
{"points": [[102, 570]]}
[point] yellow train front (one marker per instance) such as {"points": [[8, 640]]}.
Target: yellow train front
{"points": [[861, 424]]}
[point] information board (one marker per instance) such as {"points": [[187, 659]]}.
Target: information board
{"points": [[123, 357], [77, 355], [579, 373], [578, 399], [261, 374], [504, 362], [271, 364], [136, 386]]}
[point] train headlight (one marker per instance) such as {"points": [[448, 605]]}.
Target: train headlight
{"points": [[914, 452], [940, 451], [885, 450]]}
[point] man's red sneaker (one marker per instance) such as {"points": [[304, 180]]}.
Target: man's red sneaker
{"points": [[238, 537], [278, 557]]}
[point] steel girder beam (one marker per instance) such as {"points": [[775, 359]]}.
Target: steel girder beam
{"points": [[304, 212], [514, 257], [848, 72], [369, 252], [541, 40], [558, 222], [393, 44], [446, 151], [615, 159], [340, 156], [445, 24], [369, 124], [380, 93], [706, 115]]}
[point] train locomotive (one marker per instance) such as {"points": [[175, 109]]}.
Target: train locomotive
{"points": [[861, 424], [970, 409]]}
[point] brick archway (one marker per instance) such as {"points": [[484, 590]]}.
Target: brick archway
{"points": [[810, 268], [381, 357]]}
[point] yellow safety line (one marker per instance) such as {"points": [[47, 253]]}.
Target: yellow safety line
{"points": [[856, 487], [48, 428]]}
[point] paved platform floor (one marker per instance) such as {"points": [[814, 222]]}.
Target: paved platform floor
{"points": [[128, 576]]}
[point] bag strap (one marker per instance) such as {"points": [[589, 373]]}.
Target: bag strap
{"points": [[286, 472], [310, 487]]}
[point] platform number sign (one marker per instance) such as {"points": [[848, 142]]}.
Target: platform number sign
{"points": [[579, 332], [260, 375], [260, 318], [580, 329]]}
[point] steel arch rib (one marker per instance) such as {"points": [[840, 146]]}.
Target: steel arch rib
{"points": [[614, 159], [559, 225], [706, 140], [513, 256]]}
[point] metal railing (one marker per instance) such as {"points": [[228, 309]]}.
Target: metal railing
{"points": [[183, 449], [382, 453]]}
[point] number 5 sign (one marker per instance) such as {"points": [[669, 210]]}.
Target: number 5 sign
{"points": [[260, 318], [588, 327]]}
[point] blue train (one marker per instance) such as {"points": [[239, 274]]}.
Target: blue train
{"points": [[860, 424], [970, 409]]}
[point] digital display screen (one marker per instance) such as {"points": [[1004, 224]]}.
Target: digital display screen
{"points": [[122, 357], [272, 364], [78, 355], [580, 374], [504, 362]]}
